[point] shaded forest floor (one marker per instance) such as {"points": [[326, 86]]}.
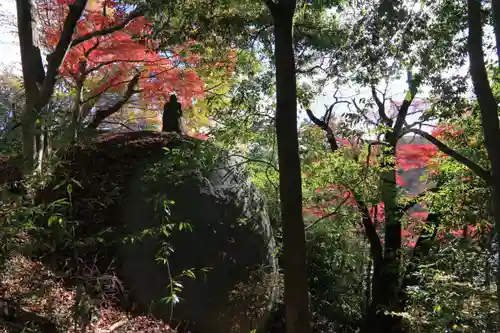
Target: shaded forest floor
{"points": [[34, 296], [35, 300]]}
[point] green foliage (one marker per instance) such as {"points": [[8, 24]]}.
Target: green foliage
{"points": [[11, 99], [338, 258], [255, 293], [454, 293]]}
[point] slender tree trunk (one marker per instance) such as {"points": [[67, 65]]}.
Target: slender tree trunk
{"points": [[28, 138], [368, 287], [47, 151], [39, 148], [495, 4], [75, 114], [488, 107], [295, 265]]}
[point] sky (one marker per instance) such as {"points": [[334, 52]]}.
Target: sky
{"points": [[9, 46]]}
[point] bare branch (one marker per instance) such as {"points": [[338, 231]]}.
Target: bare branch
{"points": [[114, 327], [324, 126], [213, 87], [110, 62], [105, 90], [328, 114], [117, 123], [381, 108]]}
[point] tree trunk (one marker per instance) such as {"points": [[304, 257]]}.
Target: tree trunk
{"points": [[488, 107], [28, 137], [31, 66], [75, 115], [39, 85], [368, 287], [47, 149], [39, 148], [495, 4], [386, 291], [294, 254]]}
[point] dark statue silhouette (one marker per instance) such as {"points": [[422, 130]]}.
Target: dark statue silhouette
{"points": [[172, 116]]}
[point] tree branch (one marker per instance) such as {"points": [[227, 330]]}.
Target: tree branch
{"points": [[105, 90], [477, 169], [31, 58], [329, 214], [55, 59], [324, 126], [101, 115], [416, 200], [371, 233], [381, 108], [133, 15], [117, 123], [109, 62], [254, 160], [403, 110]]}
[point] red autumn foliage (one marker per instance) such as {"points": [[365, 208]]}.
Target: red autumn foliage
{"points": [[408, 156], [110, 61]]}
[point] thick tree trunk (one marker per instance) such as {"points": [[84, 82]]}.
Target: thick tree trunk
{"points": [[31, 66], [295, 265], [385, 284], [488, 107]]}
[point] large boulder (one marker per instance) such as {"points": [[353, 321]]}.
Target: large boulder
{"points": [[148, 194], [225, 229]]}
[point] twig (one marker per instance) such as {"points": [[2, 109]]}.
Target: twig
{"points": [[113, 327], [23, 328], [329, 214]]}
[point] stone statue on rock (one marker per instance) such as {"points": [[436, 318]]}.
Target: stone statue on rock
{"points": [[172, 113]]}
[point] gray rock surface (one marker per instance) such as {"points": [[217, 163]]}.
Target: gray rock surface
{"points": [[230, 236]]}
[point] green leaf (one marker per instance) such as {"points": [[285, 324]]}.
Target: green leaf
{"points": [[189, 273], [55, 219]]}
